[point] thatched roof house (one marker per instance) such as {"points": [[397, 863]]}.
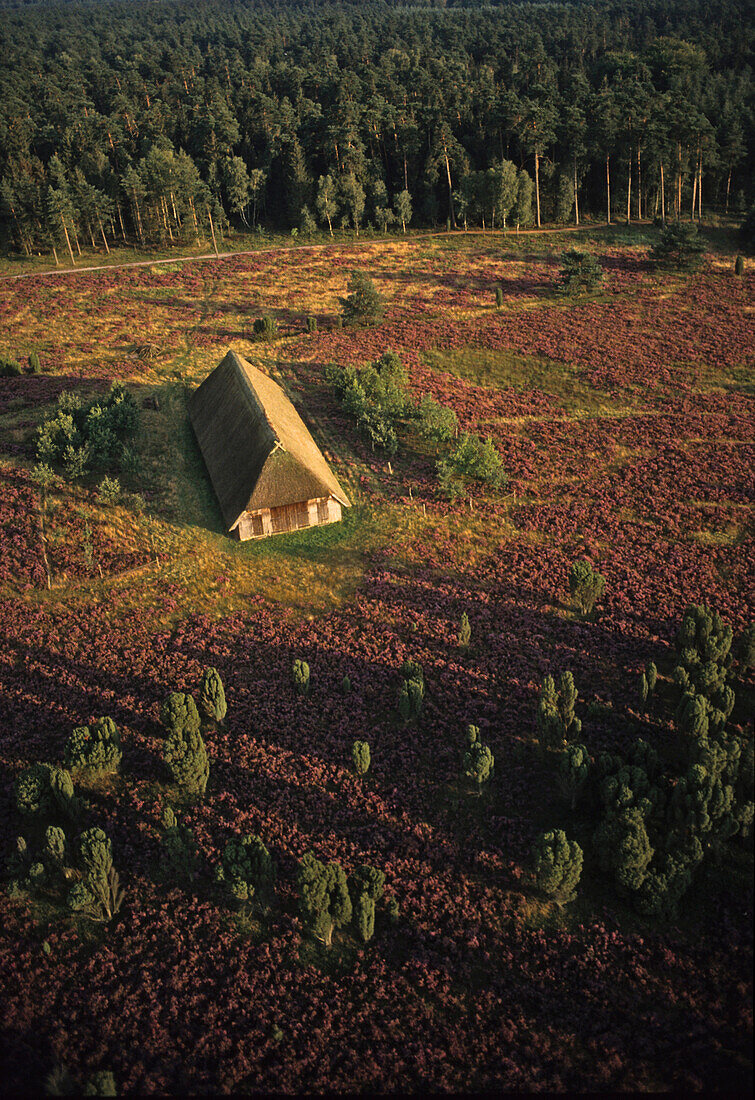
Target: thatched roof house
{"points": [[267, 471]]}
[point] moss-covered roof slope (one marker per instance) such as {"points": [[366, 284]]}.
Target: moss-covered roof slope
{"points": [[257, 449]]}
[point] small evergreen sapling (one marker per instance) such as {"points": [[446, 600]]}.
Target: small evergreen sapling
{"points": [[412, 691], [572, 772], [300, 676], [323, 897], [465, 631], [34, 364], [95, 749], [365, 889], [99, 896], [363, 305], [477, 765], [178, 845], [585, 585], [557, 866], [211, 702], [739, 266], [246, 870], [580, 271], [499, 297], [360, 755], [183, 749], [555, 714]]}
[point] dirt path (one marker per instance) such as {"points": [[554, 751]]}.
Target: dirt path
{"points": [[302, 248]]}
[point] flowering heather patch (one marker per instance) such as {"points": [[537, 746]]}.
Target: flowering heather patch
{"points": [[643, 468]]}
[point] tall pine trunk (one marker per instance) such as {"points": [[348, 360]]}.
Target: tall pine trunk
{"points": [[576, 195], [608, 188], [629, 189], [663, 197], [537, 186]]}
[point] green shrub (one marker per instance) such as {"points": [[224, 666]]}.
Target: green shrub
{"points": [[477, 765], [412, 691], [95, 748], [311, 324], [572, 772], [34, 364], [43, 789], [363, 305], [375, 397], [436, 421], [300, 676], [623, 848], [98, 895], [365, 886], [465, 631], [346, 685], [54, 851], [360, 756], [585, 585], [82, 437], [246, 870], [499, 297], [679, 247], [651, 677], [211, 702], [739, 266], [110, 491], [580, 271], [557, 866], [323, 897], [476, 459], [183, 749], [556, 719], [264, 328], [9, 367], [178, 847]]}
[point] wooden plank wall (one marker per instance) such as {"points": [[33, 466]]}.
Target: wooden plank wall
{"points": [[289, 517]]}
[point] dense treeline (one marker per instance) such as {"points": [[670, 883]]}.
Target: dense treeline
{"points": [[162, 122]]}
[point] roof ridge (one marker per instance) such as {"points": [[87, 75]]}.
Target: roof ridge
{"points": [[254, 397]]}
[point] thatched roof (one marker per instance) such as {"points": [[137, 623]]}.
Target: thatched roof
{"points": [[256, 447]]}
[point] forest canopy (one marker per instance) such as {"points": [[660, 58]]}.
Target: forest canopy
{"points": [[162, 122]]}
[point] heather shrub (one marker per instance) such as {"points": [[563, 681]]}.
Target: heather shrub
{"points": [[323, 897], [585, 585], [557, 866], [246, 870], [572, 772], [95, 748], [183, 749], [365, 889], [98, 895], [211, 702], [300, 676], [360, 755], [555, 713], [477, 765]]}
